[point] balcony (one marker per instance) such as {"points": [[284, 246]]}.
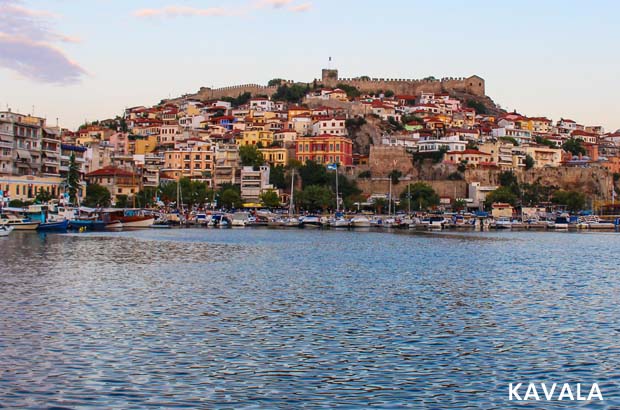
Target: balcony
{"points": [[4, 144]]}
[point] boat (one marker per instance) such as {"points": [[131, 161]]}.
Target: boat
{"points": [[502, 222], [5, 230], [130, 218], [114, 225], [19, 224], [436, 223], [310, 221], [291, 222], [338, 221], [240, 219], [360, 221], [561, 222], [54, 226]]}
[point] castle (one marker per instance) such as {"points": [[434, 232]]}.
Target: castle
{"points": [[329, 78]]}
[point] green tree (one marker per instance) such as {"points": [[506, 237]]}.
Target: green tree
{"points": [[364, 174], [502, 194], [574, 201], [395, 175], [122, 201], [574, 146], [529, 162], [352, 92], [316, 197], [97, 196], [511, 140], [544, 141], [459, 205], [250, 156], [277, 177], [423, 196], [313, 173], [239, 100], [536, 193], [275, 81], [388, 93], [43, 196], [270, 199], [509, 180], [479, 107], [73, 179], [230, 198], [379, 204], [471, 145], [146, 197], [294, 93]]}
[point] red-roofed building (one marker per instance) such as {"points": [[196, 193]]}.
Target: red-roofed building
{"points": [[117, 180], [473, 157], [325, 149]]}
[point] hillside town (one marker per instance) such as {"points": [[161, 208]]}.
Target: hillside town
{"points": [[381, 141]]}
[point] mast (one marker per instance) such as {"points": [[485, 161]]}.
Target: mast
{"points": [[291, 206], [409, 198], [337, 195]]}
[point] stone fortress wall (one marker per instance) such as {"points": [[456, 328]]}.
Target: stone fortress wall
{"points": [[472, 85]]}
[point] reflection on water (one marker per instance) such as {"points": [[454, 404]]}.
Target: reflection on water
{"points": [[287, 319]]}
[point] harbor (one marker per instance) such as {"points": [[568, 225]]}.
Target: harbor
{"points": [[286, 318]]}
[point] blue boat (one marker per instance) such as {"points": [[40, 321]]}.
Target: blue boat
{"points": [[88, 224], [54, 226]]}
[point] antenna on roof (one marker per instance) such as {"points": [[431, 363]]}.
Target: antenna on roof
{"points": [[329, 63]]}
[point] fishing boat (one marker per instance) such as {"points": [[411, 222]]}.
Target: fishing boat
{"points": [[130, 218], [54, 226], [360, 221], [19, 224], [5, 230]]}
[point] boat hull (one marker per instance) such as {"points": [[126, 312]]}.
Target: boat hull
{"points": [[54, 227], [25, 226], [138, 222]]}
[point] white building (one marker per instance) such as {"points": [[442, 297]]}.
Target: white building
{"points": [[331, 126], [254, 183]]}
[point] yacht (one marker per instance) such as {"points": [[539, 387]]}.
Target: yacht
{"points": [[240, 219], [360, 221], [310, 221], [19, 224]]}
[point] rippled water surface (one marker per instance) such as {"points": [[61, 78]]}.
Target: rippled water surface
{"points": [[200, 318]]}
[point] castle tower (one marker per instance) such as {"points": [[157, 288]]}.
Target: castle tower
{"points": [[329, 77]]}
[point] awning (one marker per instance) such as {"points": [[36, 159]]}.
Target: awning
{"points": [[23, 154]]}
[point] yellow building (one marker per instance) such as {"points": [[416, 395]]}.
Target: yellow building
{"points": [[275, 156], [26, 187], [544, 156], [143, 146], [253, 137]]}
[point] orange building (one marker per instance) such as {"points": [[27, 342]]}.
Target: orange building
{"points": [[196, 163], [325, 149]]}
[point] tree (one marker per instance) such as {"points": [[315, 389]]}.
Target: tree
{"points": [[122, 201], [97, 196], [43, 196], [459, 205], [389, 93], [379, 204], [509, 180], [423, 196], [230, 198], [479, 107], [73, 179], [240, 100], [502, 194], [462, 166], [313, 173], [315, 196], [471, 145], [274, 82], [294, 93], [270, 199], [573, 200], [146, 198], [536, 193], [250, 156], [574, 146], [511, 140], [364, 175], [351, 91], [277, 177], [529, 162], [544, 141], [395, 175]]}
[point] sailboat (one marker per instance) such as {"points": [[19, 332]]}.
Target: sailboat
{"points": [[291, 221]]}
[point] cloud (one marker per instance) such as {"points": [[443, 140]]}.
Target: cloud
{"points": [[181, 11], [299, 8], [185, 11], [276, 4], [26, 45]]}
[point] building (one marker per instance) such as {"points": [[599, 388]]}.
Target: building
{"points": [[254, 182], [275, 155], [226, 165], [197, 163], [478, 193], [118, 181], [325, 149], [472, 157], [331, 126], [544, 156]]}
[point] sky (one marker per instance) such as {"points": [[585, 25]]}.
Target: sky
{"points": [[83, 60]]}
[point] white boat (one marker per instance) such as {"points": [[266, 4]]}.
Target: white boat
{"points": [[561, 222], [240, 219], [502, 223], [291, 222], [360, 222], [5, 230], [310, 221], [19, 224], [436, 223], [340, 222]]}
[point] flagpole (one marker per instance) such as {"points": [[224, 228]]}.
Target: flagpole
{"points": [[337, 195]]}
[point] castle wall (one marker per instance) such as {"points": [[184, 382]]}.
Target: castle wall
{"points": [[206, 93]]}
